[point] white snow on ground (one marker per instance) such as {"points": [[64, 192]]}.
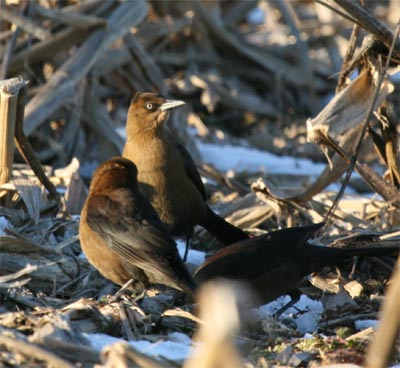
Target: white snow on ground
{"points": [[173, 350], [178, 345], [3, 224], [180, 337], [194, 256], [307, 322], [306, 312], [256, 16], [227, 157], [366, 323], [100, 340], [395, 76]]}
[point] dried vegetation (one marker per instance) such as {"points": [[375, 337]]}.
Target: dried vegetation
{"points": [[244, 78]]}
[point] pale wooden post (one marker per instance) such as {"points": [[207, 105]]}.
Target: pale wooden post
{"points": [[9, 90]]}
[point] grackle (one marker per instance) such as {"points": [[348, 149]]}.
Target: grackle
{"points": [[274, 264], [122, 235], [167, 174]]}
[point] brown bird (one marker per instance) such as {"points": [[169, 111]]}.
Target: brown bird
{"points": [[275, 263], [167, 174], [122, 235]]}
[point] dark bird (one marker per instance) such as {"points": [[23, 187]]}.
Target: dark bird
{"points": [[275, 263], [122, 235], [167, 175]]}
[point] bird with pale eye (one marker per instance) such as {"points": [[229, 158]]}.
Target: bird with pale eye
{"points": [[167, 174]]}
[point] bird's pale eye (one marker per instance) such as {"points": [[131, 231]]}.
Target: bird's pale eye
{"points": [[149, 106]]}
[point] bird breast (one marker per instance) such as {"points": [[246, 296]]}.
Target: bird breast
{"points": [[163, 179], [109, 263]]}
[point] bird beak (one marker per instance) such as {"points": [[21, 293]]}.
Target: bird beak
{"points": [[171, 104]]}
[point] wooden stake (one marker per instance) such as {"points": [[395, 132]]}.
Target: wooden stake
{"points": [[9, 90]]}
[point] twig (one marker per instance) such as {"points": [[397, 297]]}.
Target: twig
{"points": [[363, 131], [82, 21], [8, 53], [337, 11], [345, 71], [85, 356], [15, 275], [26, 24], [62, 85], [124, 287], [369, 43], [125, 323], [146, 63], [286, 7], [34, 351], [27, 152], [372, 25]]}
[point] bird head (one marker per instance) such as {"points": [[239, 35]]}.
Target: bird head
{"points": [[115, 173], [148, 111]]}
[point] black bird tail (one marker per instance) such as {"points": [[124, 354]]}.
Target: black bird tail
{"points": [[326, 256], [225, 232], [297, 235]]}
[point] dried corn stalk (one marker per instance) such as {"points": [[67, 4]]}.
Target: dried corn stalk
{"points": [[348, 108]]}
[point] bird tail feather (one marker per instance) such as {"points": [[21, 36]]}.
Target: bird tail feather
{"points": [[225, 232]]}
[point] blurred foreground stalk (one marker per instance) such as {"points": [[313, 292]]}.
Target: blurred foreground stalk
{"points": [[381, 348]]}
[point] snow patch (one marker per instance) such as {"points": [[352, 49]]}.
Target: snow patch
{"points": [[307, 310], [256, 16], [366, 323], [227, 157], [172, 350], [195, 257], [4, 224]]}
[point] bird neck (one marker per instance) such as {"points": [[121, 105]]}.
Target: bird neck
{"points": [[146, 136], [107, 182], [138, 123]]}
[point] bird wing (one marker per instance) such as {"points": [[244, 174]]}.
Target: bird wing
{"points": [[244, 260], [140, 241], [251, 258], [191, 169]]}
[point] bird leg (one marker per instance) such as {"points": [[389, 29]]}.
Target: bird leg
{"points": [[189, 238], [141, 295], [116, 296], [295, 297], [353, 268]]}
